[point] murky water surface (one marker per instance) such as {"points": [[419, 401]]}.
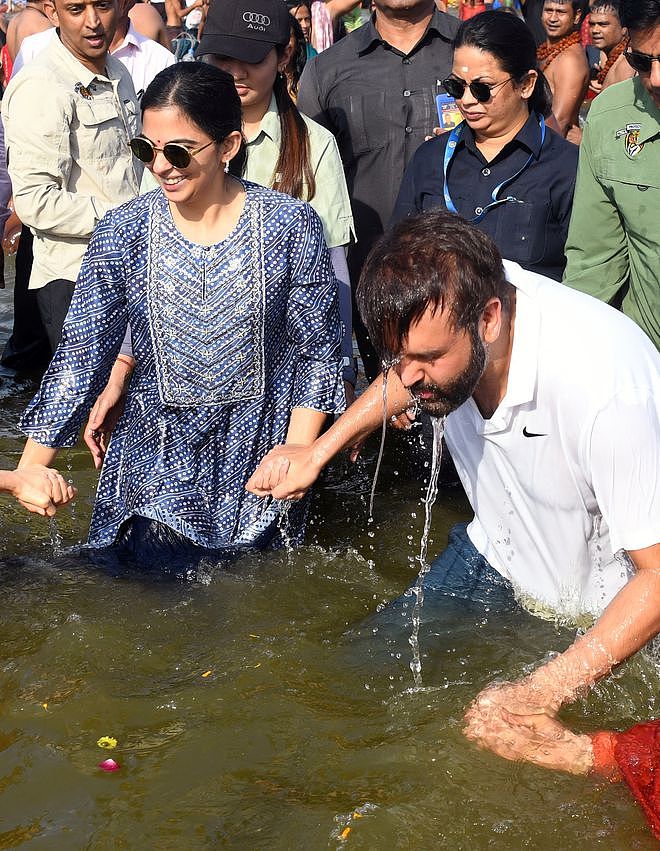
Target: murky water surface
{"points": [[250, 709]]}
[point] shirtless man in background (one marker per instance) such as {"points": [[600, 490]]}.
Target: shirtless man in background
{"points": [[148, 22], [31, 19], [611, 39], [563, 60]]}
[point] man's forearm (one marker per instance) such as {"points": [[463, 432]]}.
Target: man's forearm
{"points": [[629, 622], [363, 417]]}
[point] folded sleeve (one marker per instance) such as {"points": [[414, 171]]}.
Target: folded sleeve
{"points": [[313, 322], [93, 332]]}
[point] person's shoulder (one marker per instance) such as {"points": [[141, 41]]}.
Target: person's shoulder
{"points": [[284, 207], [572, 60], [560, 148], [131, 215], [613, 98], [447, 25], [153, 49]]}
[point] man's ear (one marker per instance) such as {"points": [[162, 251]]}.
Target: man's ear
{"points": [[491, 320], [51, 13]]}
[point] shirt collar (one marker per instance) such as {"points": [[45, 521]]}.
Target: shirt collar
{"points": [[529, 136], [645, 103], [85, 75], [523, 366], [367, 36], [270, 124], [132, 37]]}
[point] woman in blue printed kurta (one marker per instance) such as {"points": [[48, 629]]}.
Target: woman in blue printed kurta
{"points": [[236, 339]]}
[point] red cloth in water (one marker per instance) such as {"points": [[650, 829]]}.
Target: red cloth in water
{"points": [[636, 753]]}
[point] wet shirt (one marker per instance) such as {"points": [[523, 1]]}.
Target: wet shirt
{"points": [[613, 246], [531, 230], [228, 339], [566, 472], [67, 131], [380, 104]]}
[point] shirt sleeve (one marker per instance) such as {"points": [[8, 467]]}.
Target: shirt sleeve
{"points": [[596, 248], [331, 199], [91, 339], [313, 322], [623, 452], [309, 95], [40, 159]]}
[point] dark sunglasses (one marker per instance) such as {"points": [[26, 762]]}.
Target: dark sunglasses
{"points": [[481, 92], [177, 155], [641, 62]]}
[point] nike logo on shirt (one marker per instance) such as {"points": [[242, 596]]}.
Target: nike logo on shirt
{"points": [[531, 433]]}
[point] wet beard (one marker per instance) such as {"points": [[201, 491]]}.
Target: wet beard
{"points": [[452, 395]]}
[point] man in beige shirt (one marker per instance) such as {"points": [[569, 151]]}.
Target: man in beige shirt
{"points": [[68, 117]]}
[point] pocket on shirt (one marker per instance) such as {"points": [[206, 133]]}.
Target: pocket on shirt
{"points": [[366, 122], [524, 229], [102, 135]]}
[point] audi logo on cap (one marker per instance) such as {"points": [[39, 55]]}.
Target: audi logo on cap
{"points": [[256, 18]]}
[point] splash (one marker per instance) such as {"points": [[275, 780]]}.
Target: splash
{"points": [[424, 567]]}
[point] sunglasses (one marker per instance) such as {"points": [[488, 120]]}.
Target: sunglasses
{"points": [[641, 62], [177, 155], [481, 92]]}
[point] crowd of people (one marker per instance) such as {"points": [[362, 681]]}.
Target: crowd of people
{"points": [[202, 239]]}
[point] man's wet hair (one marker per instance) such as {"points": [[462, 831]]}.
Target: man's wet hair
{"points": [[639, 15], [435, 260]]}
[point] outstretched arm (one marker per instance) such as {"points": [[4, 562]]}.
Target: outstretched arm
{"points": [[288, 472], [518, 720]]}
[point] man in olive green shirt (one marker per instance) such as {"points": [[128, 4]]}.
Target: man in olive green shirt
{"points": [[613, 246]]}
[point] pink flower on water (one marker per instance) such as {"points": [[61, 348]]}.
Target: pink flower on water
{"points": [[109, 765]]}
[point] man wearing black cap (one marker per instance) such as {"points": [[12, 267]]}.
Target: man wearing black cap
{"points": [[375, 90]]}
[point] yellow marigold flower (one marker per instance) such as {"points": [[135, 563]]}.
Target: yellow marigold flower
{"points": [[107, 742]]}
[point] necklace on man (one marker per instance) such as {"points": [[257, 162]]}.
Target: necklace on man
{"points": [[546, 52]]}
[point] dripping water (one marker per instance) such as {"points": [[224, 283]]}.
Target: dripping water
{"points": [[424, 567]]}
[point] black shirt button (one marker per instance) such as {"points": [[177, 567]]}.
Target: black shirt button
{"points": [[485, 172], [406, 61], [408, 129], [406, 93]]}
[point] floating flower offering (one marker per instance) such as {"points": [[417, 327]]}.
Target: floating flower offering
{"points": [[107, 742], [109, 765]]}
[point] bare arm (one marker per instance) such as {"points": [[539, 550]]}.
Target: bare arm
{"points": [[569, 80], [517, 720], [337, 8], [286, 472]]}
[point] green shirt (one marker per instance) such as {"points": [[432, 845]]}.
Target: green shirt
{"points": [[614, 234], [330, 200]]}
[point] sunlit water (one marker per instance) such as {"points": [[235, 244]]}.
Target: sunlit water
{"points": [[246, 714]]}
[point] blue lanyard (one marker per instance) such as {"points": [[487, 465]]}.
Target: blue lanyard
{"points": [[450, 150]]}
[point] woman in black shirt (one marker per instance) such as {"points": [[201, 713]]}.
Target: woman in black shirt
{"points": [[502, 168]]}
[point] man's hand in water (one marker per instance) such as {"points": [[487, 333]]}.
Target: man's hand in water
{"points": [[518, 722], [286, 472], [39, 489]]}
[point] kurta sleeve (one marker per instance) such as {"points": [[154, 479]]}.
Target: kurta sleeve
{"points": [[92, 336], [313, 322]]}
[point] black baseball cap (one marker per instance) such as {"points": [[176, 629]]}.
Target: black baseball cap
{"points": [[245, 29]]}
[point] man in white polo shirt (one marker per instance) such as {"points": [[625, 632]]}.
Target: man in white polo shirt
{"points": [[553, 421]]}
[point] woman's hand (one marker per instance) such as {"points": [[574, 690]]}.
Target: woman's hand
{"points": [[286, 472], [38, 488], [107, 409]]}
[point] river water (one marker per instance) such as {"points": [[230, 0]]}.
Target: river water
{"points": [[249, 707]]}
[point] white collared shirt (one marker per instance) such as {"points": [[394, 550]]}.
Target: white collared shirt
{"points": [[567, 470]]}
